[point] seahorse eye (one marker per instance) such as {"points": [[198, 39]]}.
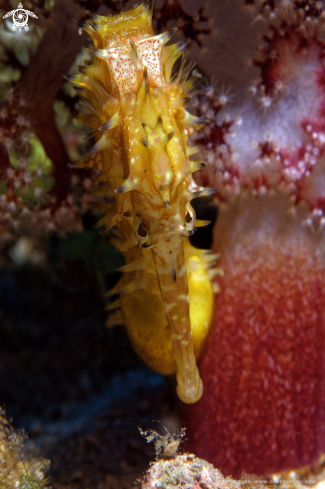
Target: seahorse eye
{"points": [[142, 231], [188, 217]]}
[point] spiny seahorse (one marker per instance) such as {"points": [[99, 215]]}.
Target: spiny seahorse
{"points": [[137, 113]]}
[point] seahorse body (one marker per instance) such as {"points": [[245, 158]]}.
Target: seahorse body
{"points": [[141, 127], [143, 309]]}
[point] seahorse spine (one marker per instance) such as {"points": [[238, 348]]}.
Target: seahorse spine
{"points": [[138, 115]]}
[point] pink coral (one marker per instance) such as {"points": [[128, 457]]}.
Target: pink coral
{"points": [[276, 136], [263, 367]]}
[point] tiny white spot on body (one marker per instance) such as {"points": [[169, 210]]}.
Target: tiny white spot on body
{"points": [[182, 297]]}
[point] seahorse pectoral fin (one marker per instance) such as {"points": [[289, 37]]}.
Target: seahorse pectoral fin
{"points": [[175, 296]]}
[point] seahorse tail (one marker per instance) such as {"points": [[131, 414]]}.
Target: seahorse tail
{"points": [[174, 291]]}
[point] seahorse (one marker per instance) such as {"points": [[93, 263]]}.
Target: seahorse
{"points": [[141, 126]]}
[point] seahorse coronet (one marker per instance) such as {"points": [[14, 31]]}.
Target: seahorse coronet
{"points": [[141, 126]]}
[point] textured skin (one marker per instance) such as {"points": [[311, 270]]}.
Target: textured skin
{"points": [[141, 127], [263, 367], [144, 314]]}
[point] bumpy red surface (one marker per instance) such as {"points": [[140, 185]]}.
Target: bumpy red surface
{"points": [[263, 407]]}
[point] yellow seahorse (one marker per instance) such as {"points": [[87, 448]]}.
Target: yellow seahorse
{"points": [[141, 127]]}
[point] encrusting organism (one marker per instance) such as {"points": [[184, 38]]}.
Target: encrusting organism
{"points": [[172, 470], [19, 469], [187, 471], [138, 116]]}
